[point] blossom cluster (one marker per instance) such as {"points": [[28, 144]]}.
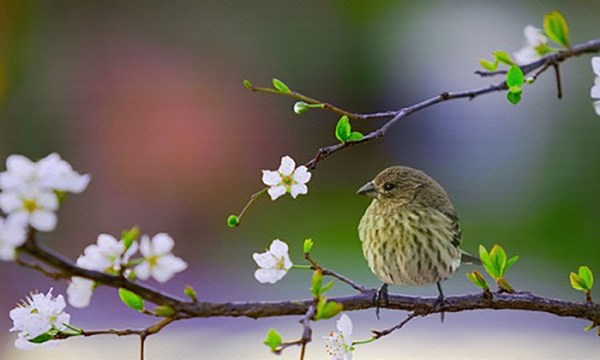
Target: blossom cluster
{"points": [[536, 45], [30, 194]]}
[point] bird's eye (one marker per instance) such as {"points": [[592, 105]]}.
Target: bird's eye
{"points": [[389, 186]]}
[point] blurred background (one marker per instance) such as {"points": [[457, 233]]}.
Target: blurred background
{"points": [[148, 98]]}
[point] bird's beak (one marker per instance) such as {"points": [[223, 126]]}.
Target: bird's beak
{"points": [[367, 189]]}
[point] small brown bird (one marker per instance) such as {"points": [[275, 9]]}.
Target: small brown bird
{"points": [[410, 233]]}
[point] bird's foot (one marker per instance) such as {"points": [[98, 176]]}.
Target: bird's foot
{"points": [[440, 302], [381, 298]]}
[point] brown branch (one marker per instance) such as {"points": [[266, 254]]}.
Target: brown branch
{"points": [[342, 278], [362, 301], [381, 333]]}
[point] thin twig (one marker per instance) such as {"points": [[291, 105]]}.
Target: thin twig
{"points": [[558, 80], [484, 73], [377, 334], [334, 274]]}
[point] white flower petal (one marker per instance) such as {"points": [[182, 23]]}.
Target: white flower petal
{"points": [[534, 36], [269, 276], [301, 175], [142, 271], [9, 202], [80, 292], [596, 65], [23, 344], [43, 220], [162, 244], [276, 192], [166, 267], [265, 260], [287, 166], [106, 241], [20, 166], [298, 189], [526, 55], [595, 92], [271, 178], [278, 248], [344, 325], [146, 247], [47, 200]]}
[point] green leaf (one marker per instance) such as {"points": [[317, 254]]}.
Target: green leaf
{"points": [[308, 245], [590, 327], [514, 76], [343, 129], [487, 262], [190, 293], [273, 340], [280, 86], [355, 136], [577, 282], [131, 299], [556, 28], [317, 281], [511, 262], [247, 84], [326, 287], [503, 284], [498, 256], [503, 57], [488, 65], [40, 339], [329, 310], [513, 97], [164, 311], [233, 221], [586, 275], [129, 236], [477, 278]]}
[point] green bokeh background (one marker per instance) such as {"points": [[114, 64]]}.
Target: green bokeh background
{"points": [[147, 97]]}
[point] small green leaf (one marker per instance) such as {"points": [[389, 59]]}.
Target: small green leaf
{"points": [[129, 236], [190, 293], [280, 86], [40, 339], [503, 284], [556, 28], [577, 282], [513, 97], [498, 256], [233, 221], [131, 299], [326, 287], [317, 281], [477, 278], [343, 129], [503, 57], [273, 340], [308, 245], [586, 275], [590, 327], [486, 261], [514, 76], [300, 107], [329, 310], [355, 136], [61, 196], [164, 311], [510, 262], [488, 65], [247, 84]]}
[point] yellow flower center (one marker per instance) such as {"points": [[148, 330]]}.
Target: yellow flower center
{"points": [[30, 205], [287, 181], [280, 264], [152, 260]]}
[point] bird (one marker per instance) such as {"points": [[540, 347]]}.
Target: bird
{"points": [[410, 232]]}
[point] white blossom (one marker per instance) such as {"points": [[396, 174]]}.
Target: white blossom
{"points": [[595, 91], [50, 173], [339, 344], [107, 255], [31, 206], [535, 46], [158, 262], [286, 179], [273, 264], [36, 316], [79, 291], [12, 235]]}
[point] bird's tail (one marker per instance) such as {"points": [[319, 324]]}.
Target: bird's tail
{"points": [[467, 258]]}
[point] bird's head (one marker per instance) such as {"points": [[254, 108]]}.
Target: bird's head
{"points": [[401, 185]]}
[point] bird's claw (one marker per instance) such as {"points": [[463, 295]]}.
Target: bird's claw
{"points": [[381, 297]]}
